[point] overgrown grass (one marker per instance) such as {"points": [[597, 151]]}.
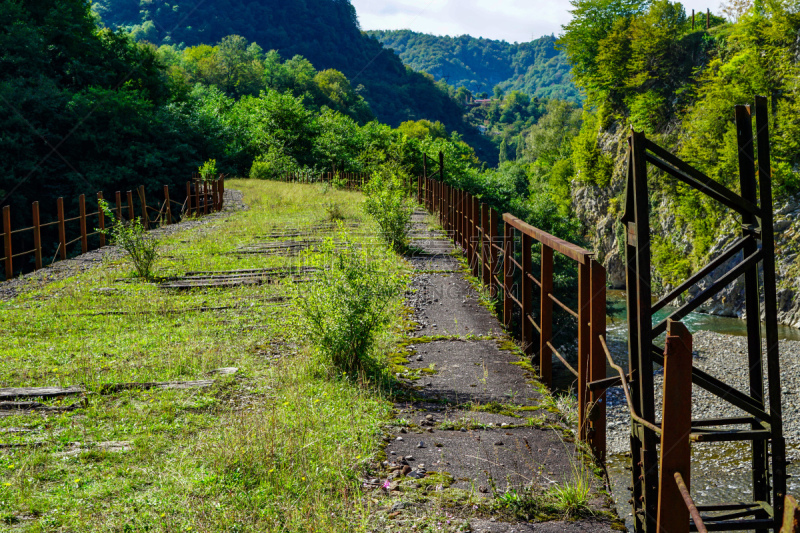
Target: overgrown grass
{"points": [[282, 446]]}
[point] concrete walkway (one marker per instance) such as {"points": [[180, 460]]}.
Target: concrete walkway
{"points": [[480, 439]]}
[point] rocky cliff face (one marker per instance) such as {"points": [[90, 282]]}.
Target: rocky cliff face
{"points": [[600, 208]]}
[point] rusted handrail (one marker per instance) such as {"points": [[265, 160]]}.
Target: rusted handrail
{"points": [[507, 270], [687, 498], [624, 380]]}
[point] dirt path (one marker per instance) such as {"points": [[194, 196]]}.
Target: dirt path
{"points": [[479, 436]]}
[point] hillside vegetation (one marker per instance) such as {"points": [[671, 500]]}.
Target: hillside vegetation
{"points": [[535, 68], [325, 32]]}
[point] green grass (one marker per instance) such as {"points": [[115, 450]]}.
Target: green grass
{"points": [[282, 446]]}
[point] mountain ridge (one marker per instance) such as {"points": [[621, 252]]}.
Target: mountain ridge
{"points": [[479, 64]]}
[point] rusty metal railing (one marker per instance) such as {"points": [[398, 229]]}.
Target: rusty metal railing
{"points": [[489, 242]]}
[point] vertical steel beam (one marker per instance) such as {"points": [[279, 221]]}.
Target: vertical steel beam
{"points": [[597, 361], [82, 221], [508, 273], [747, 180], [101, 220], [778, 445], [7, 241], [527, 295], [584, 308], [486, 245], [493, 240], [62, 230], [639, 232], [673, 515], [546, 316]]}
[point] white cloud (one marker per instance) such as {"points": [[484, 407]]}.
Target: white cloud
{"points": [[509, 20]]}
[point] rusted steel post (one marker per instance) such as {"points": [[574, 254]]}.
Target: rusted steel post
{"points": [[673, 515], [62, 230], [205, 197], [7, 241], [221, 193], [791, 516], [37, 236], [168, 205], [130, 205], [118, 198], [546, 317], [188, 198], [476, 237], [778, 445], [508, 274], [597, 361], [493, 240], [584, 307], [747, 181], [197, 197], [101, 220], [527, 295], [214, 195], [486, 246], [145, 217], [468, 224], [82, 219]]}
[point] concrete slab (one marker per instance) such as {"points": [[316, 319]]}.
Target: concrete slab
{"points": [[446, 304]]}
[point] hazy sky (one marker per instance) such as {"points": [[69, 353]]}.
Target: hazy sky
{"points": [[509, 20]]}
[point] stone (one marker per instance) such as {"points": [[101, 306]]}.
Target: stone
{"points": [[428, 417], [498, 443], [406, 470], [403, 430], [409, 457], [398, 506], [421, 445], [399, 438]]}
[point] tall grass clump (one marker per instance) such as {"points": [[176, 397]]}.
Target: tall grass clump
{"points": [[348, 304], [387, 201], [142, 249]]}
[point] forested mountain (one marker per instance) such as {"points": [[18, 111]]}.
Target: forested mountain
{"points": [[535, 68], [325, 32]]}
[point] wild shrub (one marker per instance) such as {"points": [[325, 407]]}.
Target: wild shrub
{"points": [[344, 309], [208, 170], [142, 249], [387, 201]]}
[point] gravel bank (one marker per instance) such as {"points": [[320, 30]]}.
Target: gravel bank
{"points": [[725, 357]]}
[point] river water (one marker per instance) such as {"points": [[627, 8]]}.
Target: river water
{"points": [[720, 471]]}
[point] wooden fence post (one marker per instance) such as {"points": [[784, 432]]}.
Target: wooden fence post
{"points": [[526, 326], [597, 360], [7, 241], [168, 204], [130, 205], [508, 273], [82, 218], [119, 205], [37, 236], [221, 189], [197, 197], [673, 514], [546, 317], [145, 216], [101, 220], [584, 308], [62, 230]]}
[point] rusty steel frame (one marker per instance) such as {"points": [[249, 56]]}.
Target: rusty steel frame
{"points": [[765, 420]]}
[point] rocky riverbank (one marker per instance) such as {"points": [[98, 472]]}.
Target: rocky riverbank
{"points": [[725, 357]]}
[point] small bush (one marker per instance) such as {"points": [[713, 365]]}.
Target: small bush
{"points": [[273, 164], [389, 204], [131, 236], [345, 308], [334, 211], [208, 171]]}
